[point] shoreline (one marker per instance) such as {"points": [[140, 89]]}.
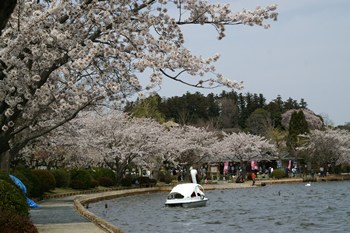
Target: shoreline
{"points": [[79, 203]]}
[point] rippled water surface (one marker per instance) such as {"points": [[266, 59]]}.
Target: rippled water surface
{"points": [[322, 207]]}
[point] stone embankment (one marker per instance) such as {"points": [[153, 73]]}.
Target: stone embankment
{"points": [[263, 182], [81, 203]]}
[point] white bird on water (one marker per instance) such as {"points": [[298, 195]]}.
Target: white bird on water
{"points": [[308, 184]]}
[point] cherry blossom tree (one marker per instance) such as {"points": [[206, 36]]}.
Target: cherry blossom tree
{"points": [[116, 140], [59, 57], [278, 138], [42, 150], [314, 121], [245, 148], [58, 147], [193, 145], [327, 146], [145, 142]]}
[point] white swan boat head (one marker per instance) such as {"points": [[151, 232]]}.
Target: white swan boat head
{"points": [[186, 195]]}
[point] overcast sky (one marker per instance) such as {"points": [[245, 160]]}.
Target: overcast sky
{"points": [[305, 54]]}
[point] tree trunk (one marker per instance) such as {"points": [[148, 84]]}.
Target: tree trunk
{"points": [[325, 169], [119, 175], [299, 168], [49, 165], [155, 173], [186, 177], [244, 169], [5, 160]]}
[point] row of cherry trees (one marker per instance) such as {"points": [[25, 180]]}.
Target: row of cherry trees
{"points": [[60, 57], [327, 146], [244, 147], [115, 140]]}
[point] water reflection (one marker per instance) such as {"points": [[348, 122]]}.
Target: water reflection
{"points": [[324, 206]]}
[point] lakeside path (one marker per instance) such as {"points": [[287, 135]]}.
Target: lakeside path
{"points": [[59, 215]]}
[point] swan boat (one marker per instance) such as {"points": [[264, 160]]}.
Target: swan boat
{"points": [[186, 195]]}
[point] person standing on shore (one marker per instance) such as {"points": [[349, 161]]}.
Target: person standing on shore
{"points": [[321, 171], [253, 178], [203, 172], [148, 173]]}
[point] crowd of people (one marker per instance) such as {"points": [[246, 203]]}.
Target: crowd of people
{"points": [[236, 173]]}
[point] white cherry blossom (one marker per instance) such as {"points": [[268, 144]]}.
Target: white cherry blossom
{"points": [[59, 57]]}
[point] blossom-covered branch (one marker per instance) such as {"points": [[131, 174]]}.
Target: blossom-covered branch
{"points": [[60, 57]]}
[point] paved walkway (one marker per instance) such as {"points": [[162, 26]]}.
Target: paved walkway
{"points": [[59, 215]]}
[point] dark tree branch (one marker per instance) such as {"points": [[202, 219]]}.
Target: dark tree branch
{"points": [[25, 141], [6, 9], [198, 85]]}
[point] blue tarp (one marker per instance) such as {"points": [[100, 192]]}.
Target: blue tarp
{"points": [[19, 183]]}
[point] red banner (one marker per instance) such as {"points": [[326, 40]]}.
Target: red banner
{"points": [[226, 166]]}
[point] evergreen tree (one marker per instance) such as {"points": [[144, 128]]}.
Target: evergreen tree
{"points": [[249, 103], [148, 108], [259, 122], [303, 104], [244, 103], [229, 108], [255, 101], [213, 106], [164, 108], [275, 113], [229, 112], [230, 95], [241, 102], [297, 126], [291, 104], [261, 101], [197, 106], [171, 106], [303, 125], [279, 102]]}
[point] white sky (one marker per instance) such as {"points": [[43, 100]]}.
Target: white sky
{"points": [[305, 54]]}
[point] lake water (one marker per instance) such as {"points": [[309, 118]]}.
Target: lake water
{"points": [[322, 207]]}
